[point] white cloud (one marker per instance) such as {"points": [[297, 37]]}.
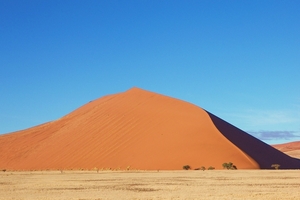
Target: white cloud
{"points": [[275, 135], [271, 126]]}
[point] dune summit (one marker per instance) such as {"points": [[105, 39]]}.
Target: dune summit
{"points": [[140, 129]]}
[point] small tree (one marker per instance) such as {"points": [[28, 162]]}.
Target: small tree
{"points": [[186, 167], [276, 166], [229, 165], [202, 168], [225, 165]]}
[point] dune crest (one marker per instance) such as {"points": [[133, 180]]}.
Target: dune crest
{"points": [[137, 129]]}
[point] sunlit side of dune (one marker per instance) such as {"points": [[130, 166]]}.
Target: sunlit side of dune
{"points": [[292, 148]]}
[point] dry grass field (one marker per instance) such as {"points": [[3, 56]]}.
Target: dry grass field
{"points": [[212, 184]]}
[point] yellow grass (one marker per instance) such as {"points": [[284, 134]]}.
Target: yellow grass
{"points": [[215, 184]]}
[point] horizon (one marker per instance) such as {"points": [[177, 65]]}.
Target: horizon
{"points": [[237, 60]]}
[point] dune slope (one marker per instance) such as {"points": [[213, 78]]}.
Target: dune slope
{"points": [[265, 155], [136, 128], [292, 148]]}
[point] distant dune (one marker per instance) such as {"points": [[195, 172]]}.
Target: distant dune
{"points": [[292, 148], [140, 130]]}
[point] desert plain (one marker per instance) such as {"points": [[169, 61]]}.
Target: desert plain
{"points": [[177, 184]]}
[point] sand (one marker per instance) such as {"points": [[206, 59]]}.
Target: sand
{"points": [[292, 148], [136, 129], [88, 185]]}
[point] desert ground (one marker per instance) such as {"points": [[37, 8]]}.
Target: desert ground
{"points": [[191, 184]]}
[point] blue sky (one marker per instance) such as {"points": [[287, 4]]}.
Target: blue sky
{"points": [[239, 60]]}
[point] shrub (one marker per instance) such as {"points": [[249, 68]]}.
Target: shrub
{"points": [[276, 166], [202, 168], [186, 167], [229, 165], [211, 168], [225, 165]]}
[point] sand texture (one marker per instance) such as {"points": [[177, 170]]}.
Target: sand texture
{"points": [[206, 185], [292, 148], [137, 129]]}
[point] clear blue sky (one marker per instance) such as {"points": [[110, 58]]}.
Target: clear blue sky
{"points": [[239, 60]]}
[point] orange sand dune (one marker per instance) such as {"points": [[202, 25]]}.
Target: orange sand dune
{"points": [[140, 129], [292, 148]]}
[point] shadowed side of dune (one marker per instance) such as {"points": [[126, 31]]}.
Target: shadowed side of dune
{"points": [[265, 155]]}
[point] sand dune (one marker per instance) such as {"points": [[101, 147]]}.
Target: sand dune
{"points": [[140, 129], [292, 148]]}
